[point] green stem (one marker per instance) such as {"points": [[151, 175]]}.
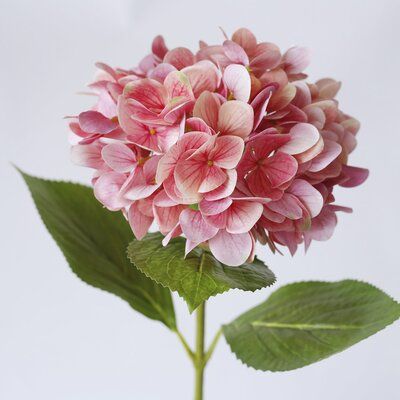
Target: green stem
{"points": [[185, 345], [199, 363], [211, 349]]}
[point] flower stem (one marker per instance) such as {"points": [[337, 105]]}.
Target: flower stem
{"points": [[199, 363]]}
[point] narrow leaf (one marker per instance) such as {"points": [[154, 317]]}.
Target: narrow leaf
{"points": [[198, 276], [94, 240], [305, 322]]}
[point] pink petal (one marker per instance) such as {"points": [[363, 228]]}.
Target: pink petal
{"points": [[189, 246], [146, 64], [88, 155], [175, 194], [296, 59], [259, 185], [194, 227], [231, 249], [148, 92], [160, 72], [107, 190], [166, 137], [280, 168], [303, 94], [322, 227], [225, 189], [245, 38], [132, 109], [197, 124], [227, 152], [189, 174], [180, 57], [190, 140], [140, 223], [303, 136], [282, 97], [162, 199], [158, 47], [172, 234], [308, 195], [315, 116], [214, 207], [167, 217], [288, 205], [242, 216], [207, 107], [354, 176], [235, 53], [119, 157], [265, 57], [237, 81], [107, 69], [177, 85], [214, 177], [235, 118], [137, 186], [260, 103], [203, 75], [327, 88], [331, 151], [94, 122]]}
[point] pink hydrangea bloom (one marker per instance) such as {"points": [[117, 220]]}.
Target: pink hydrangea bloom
{"points": [[226, 146]]}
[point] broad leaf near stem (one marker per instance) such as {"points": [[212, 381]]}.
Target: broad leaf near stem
{"points": [[198, 276], [305, 322], [93, 241]]}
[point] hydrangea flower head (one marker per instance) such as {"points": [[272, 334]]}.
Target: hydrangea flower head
{"points": [[226, 146]]}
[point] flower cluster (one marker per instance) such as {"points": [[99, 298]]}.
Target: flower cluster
{"points": [[227, 146]]}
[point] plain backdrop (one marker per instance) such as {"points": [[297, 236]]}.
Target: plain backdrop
{"points": [[61, 339]]}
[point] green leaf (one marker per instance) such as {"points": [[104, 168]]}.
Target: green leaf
{"points": [[94, 242], [305, 322], [198, 276]]}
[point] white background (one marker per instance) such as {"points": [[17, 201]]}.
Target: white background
{"points": [[61, 339]]}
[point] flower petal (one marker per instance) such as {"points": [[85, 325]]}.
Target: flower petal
{"points": [[190, 140], [158, 47], [119, 157], [139, 223], [225, 189], [235, 118], [107, 190], [88, 155], [354, 176], [194, 227], [296, 59], [245, 38], [331, 151], [231, 249], [308, 195], [207, 107], [204, 75], [265, 57], [160, 72], [227, 152], [235, 53], [280, 168], [237, 81], [177, 85], [214, 207], [242, 216], [180, 57], [214, 177], [95, 122], [303, 136], [149, 92]]}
